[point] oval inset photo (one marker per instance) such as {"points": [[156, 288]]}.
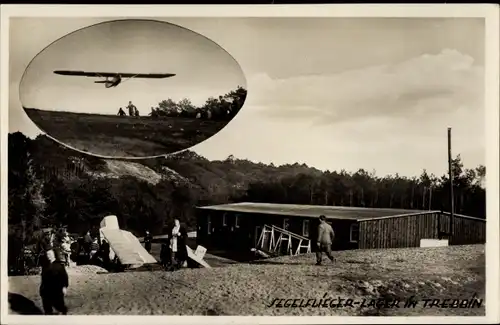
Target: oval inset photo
{"points": [[132, 88]]}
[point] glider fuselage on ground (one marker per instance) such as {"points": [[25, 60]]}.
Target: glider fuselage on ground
{"points": [[113, 79]]}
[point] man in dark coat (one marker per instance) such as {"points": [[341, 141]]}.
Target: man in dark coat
{"points": [[147, 241], [87, 245], [54, 285], [165, 254], [105, 251]]}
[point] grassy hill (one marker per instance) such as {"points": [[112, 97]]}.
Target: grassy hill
{"points": [[124, 136]]}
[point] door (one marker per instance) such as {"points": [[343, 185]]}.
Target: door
{"points": [[258, 230], [286, 224], [443, 226]]}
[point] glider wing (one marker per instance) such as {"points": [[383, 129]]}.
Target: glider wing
{"points": [[147, 75], [84, 73], [113, 74]]}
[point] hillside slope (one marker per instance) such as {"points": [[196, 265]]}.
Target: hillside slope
{"points": [[117, 168]]}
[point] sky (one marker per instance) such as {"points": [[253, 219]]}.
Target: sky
{"points": [[334, 93], [203, 69]]}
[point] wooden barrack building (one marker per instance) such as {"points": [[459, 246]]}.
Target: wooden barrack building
{"points": [[239, 226]]}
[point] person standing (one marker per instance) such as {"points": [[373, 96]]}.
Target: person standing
{"points": [[52, 238], [165, 254], [106, 251], [87, 245], [54, 285], [94, 249], [131, 109], [66, 247], [324, 241], [153, 112], [178, 248], [147, 241], [44, 246]]}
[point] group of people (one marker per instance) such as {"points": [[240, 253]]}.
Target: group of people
{"points": [[132, 110], [87, 247], [173, 254], [54, 277], [94, 250], [58, 240], [55, 281]]}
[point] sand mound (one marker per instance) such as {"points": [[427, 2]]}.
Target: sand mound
{"points": [[119, 168], [85, 270]]}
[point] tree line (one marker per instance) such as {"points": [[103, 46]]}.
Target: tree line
{"points": [[225, 107], [363, 189], [52, 185]]}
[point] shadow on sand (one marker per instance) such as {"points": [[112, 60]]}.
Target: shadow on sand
{"points": [[22, 305], [276, 262]]}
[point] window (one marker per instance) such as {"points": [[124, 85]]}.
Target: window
{"points": [[224, 219], [354, 233], [209, 225], [305, 228], [237, 221], [286, 224]]}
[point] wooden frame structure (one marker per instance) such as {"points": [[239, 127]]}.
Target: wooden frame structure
{"points": [[277, 236]]}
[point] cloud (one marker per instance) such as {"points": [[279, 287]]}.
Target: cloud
{"points": [[421, 86], [392, 118]]}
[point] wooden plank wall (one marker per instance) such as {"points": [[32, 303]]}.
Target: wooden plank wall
{"points": [[466, 230], [406, 231]]}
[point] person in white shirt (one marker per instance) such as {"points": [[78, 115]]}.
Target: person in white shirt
{"points": [[178, 251], [66, 247]]}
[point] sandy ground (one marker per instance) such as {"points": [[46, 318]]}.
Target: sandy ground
{"points": [[248, 289]]}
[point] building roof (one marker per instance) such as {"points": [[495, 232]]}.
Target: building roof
{"points": [[330, 212]]}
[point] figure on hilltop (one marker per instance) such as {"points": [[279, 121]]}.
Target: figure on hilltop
{"points": [[131, 108]]}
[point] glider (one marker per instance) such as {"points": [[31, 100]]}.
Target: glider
{"points": [[113, 79], [129, 251], [124, 245]]}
